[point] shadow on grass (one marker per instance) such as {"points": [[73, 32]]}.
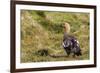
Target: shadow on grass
{"points": [[58, 56]]}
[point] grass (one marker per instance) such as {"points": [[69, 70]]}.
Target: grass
{"points": [[42, 30]]}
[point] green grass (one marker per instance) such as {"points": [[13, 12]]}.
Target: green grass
{"points": [[42, 30]]}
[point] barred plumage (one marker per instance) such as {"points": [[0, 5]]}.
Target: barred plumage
{"points": [[70, 43]]}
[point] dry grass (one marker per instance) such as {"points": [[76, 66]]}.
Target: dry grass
{"points": [[43, 31]]}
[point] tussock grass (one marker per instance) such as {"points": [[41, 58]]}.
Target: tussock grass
{"points": [[42, 34]]}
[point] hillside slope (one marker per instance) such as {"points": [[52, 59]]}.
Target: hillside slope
{"points": [[42, 30]]}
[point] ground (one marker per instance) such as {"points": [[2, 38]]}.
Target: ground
{"points": [[42, 30]]}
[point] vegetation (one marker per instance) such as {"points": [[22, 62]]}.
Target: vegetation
{"points": [[42, 34]]}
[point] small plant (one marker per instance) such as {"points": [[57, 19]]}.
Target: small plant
{"points": [[42, 52]]}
